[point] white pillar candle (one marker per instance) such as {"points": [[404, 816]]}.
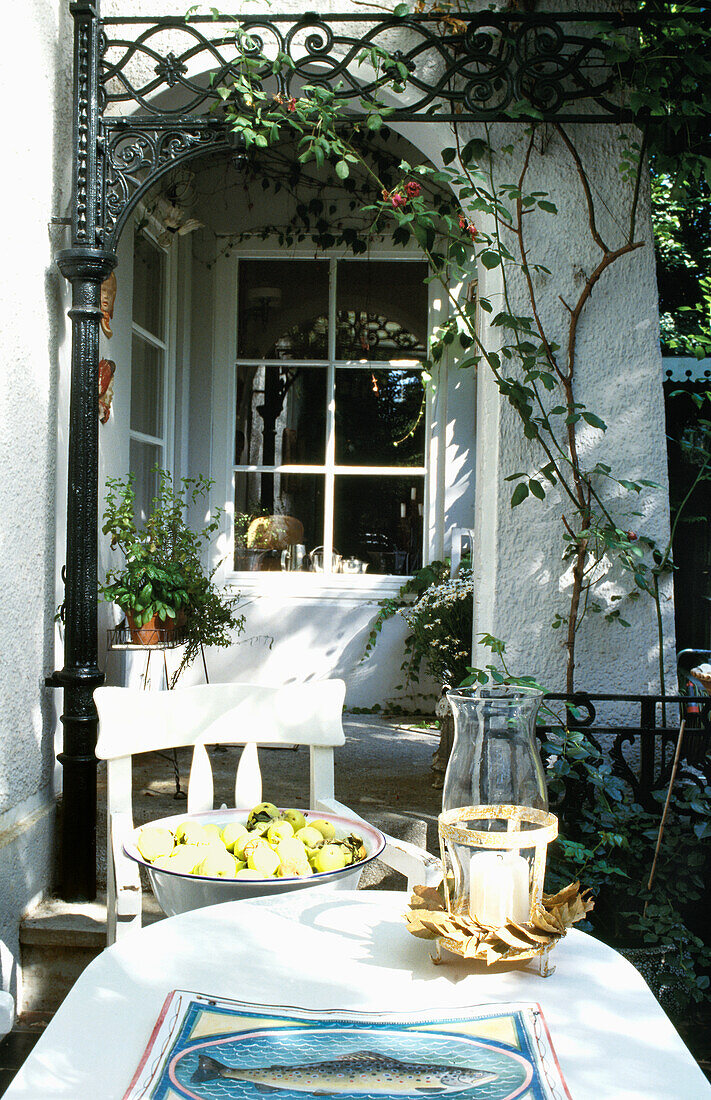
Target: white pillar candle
{"points": [[521, 900], [498, 888]]}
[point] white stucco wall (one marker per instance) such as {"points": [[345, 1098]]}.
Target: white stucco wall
{"points": [[520, 580], [35, 187]]}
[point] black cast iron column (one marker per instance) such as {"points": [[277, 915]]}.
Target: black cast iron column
{"points": [[86, 269], [85, 265]]}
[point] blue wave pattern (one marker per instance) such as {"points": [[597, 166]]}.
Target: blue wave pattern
{"points": [[322, 1042]]}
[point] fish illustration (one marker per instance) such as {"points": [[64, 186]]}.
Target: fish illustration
{"points": [[363, 1071]]}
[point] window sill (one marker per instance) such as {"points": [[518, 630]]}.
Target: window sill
{"points": [[314, 586]]}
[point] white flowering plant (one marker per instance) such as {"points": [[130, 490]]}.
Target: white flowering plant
{"points": [[438, 609]]}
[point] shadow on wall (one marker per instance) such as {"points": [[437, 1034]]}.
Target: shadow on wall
{"points": [[310, 640]]}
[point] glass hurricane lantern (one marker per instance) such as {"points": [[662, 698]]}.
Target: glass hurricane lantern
{"points": [[495, 784]]}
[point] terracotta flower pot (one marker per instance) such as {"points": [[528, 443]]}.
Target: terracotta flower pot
{"points": [[154, 632]]}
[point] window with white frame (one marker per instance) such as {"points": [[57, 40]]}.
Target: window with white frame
{"points": [[330, 415], [149, 419]]}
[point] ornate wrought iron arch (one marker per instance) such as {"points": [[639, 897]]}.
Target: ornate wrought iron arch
{"points": [[155, 153], [152, 98], [128, 132]]}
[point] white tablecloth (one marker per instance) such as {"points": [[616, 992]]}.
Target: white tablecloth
{"points": [[351, 951]]}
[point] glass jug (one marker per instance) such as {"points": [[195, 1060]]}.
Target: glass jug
{"points": [[495, 758]]}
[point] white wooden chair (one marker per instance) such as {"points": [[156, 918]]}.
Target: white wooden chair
{"points": [[133, 721]]}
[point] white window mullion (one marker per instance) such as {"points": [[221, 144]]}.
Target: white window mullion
{"points": [[381, 471], [435, 486], [143, 437], [149, 337], [329, 487]]}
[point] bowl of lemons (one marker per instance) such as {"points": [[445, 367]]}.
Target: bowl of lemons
{"points": [[202, 859]]}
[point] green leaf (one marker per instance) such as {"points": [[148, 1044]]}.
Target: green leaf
{"points": [[519, 494], [537, 489], [594, 421], [448, 155], [490, 259], [476, 149], [401, 10], [342, 169]]}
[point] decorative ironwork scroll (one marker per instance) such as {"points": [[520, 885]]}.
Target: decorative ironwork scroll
{"points": [[474, 67], [138, 154], [159, 77], [647, 767]]}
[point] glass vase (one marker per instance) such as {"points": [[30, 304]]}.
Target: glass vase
{"points": [[495, 764], [495, 758]]}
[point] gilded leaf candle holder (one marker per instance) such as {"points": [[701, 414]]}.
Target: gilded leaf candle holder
{"points": [[486, 865]]}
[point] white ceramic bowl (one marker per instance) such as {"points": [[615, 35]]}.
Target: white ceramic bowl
{"points": [[179, 893]]}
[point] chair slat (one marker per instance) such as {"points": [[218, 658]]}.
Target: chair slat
{"points": [[248, 780], [321, 778], [119, 773], [201, 791]]}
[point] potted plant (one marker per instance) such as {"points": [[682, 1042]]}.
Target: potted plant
{"points": [[162, 586]]}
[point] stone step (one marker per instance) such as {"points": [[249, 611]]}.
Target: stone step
{"points": [[58, 939]]}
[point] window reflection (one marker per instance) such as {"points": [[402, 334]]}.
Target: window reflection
{"points": [[378, 520], [280, 538], [281, 417], [143, 458], [380, 418], [366, 396], [283, 309], [146, 388], [148, 269], [381, 309]]}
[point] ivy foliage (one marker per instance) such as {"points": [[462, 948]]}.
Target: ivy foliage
{"points": [[607, 840], [682, 232]]}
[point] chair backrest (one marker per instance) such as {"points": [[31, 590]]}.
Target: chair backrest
{"points": [[134, 721]]}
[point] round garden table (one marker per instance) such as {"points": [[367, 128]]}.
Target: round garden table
{"points": [[351, 951]]}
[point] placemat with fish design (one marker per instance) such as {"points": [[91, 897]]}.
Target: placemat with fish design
{"points": [[208, 1048]]}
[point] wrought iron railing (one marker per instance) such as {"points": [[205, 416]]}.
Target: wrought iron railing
{"points": [[469, 67], [641, 752]]}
